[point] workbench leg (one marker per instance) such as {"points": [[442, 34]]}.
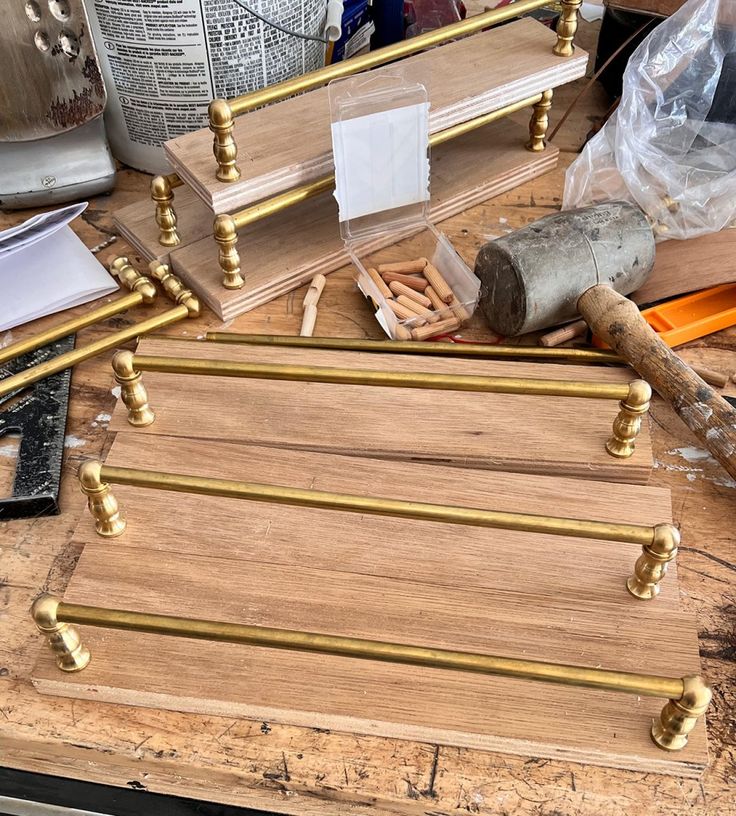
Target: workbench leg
{"points": [[64, 640], [224, 147], [132, 391], [679, 717], [627, 424], [226, 235], [103, 505], [163, 197], [651, 565], [566, 28], [539, 123]]}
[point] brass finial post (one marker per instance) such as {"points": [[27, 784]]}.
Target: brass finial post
{"points": [[163, 197], [226, 235], [539, 123], [651, 565], [64, 640], [174, 288], [679, 717], [132, 279], [103, 506], [627, 424], [132, 391], [224, 147], [566, 28]]}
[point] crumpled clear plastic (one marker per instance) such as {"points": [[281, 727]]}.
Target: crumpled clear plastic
{"points": [[670, 147]]}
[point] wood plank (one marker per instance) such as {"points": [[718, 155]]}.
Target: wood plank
{"points": [[287, 249], [465, 79], [300, 537], [365, 697], [556, 435]]}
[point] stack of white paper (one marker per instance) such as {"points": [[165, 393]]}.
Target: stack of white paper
{"points": [[45, 268]]}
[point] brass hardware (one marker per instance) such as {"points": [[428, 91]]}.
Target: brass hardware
{"points": [[224, 147], [174, 288], [109, 521], [651, 566], [71, 655], [491, 352], [226, 236], [689, 696], [627, 424], [566, 28], [162, 193], [142, 291], [132, 391], [539, 123], [279, 202]]}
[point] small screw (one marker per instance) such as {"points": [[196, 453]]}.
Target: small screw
{"points": [[48, 181]]}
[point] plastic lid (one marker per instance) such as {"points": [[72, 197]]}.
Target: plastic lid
{"points": [[380, 142]]}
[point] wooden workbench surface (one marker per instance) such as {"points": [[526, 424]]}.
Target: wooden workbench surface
{"points": [[307, 771]]}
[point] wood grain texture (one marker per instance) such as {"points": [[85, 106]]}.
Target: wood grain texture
{"points": [[464, 79], [287, 249], [560, 435]]}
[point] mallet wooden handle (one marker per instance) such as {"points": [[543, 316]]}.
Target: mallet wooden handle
{"points": [[617, 321]]}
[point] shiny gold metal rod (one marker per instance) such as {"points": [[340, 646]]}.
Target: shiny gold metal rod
{"points": [[689, 696], [486, 351]]}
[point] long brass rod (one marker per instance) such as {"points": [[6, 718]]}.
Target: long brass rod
{"points": [[380, 56], [70, 326], [387, 652], [71, 358], [377, 506], [571, 355], [394, 379], [276, 203]]}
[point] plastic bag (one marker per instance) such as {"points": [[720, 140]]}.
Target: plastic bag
{"points": [[670, 147]]}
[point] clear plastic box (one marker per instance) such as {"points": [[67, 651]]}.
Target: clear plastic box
{"points": [[380, 137]]}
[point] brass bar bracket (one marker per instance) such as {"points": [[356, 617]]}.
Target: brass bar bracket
{"points": [[103, 505], [566, 28], [688, 696], [539, 123], [162, 194], [132, 391], [64, 640], [627, 425], [224, 147], [651, 565], [226, 236]]}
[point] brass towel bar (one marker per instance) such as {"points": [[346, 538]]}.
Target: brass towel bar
{"points": [[634, 397], [187, 306], [688, 697], [659, 542]]}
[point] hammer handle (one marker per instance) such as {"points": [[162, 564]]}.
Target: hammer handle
{"points": [[617, 321]]}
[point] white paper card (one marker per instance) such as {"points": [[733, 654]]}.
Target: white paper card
{"points": [[381, 160]]}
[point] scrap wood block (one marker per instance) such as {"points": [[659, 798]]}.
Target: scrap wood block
{"points": [[464, 79], [287, 249], [533, 434], [404, 581]]}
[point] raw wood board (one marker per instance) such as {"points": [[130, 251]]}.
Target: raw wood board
{"points": [[557, 435], [297, 537], [289, 143], [686, 266], [287, 249]]}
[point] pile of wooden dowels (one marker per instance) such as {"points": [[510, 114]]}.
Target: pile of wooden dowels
{"points": [[416, 291]]}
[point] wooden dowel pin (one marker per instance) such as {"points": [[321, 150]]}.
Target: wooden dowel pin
{"points": [[382, 287], [403, 267], [400, 289], [438, 283], [311, 299], [412, 281], [403, 313], [555, 338], [432, 329]]}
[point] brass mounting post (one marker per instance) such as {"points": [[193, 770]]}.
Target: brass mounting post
{"points": [[132, 279], [132, 391], [627, 424], [566, 28], [651, 565], [174, 288], [103, 505], [226, 235], [162, 194], [679, 716], [64, 640], [224, 147], [539, 123]]}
